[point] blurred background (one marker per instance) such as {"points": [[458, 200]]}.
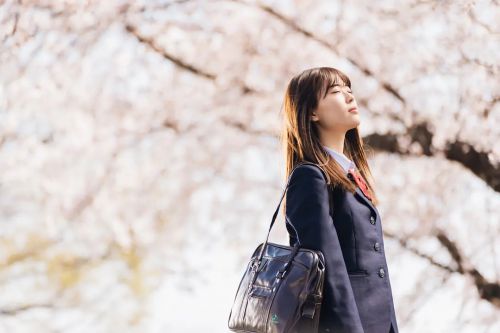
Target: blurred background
{"points": [[141, 165]]}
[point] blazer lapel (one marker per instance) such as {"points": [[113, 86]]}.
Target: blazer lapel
{"points": [[362, 196], [367, 201]]}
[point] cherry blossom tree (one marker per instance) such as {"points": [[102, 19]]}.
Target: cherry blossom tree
{"points": [[141, 162]]}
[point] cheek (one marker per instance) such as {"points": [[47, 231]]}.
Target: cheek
{"points": [[331, 108]]}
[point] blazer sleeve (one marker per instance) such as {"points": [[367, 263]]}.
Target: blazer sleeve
{"points": [[307, 209]]}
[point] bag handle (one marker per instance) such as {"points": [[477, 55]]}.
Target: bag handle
{"points": [[296, 247]]}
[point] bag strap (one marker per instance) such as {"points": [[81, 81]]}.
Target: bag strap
{"points": [[296, 247]]}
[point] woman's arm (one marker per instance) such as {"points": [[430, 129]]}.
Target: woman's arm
{"points": [[307, 209]]}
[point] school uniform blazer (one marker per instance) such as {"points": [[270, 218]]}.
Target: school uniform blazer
{"points": [[357, 296]]}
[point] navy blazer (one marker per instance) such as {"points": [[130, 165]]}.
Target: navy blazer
{"points": [[357, 296]]}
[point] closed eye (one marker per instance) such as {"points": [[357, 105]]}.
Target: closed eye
{"points": [[336, 91]]}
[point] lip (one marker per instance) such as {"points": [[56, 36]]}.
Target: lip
{"points": [[353, 110]]}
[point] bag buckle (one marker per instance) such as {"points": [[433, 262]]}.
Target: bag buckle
{"points": [[309, 308]]}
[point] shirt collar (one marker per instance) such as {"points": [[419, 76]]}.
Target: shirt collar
{"points": [[343, 160]]}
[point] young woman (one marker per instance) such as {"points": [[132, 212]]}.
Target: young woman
{"points": [[332, 207]]}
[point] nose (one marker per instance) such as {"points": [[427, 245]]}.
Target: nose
{"points": [[349, 97]]}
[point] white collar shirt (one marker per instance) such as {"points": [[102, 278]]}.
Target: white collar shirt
{"points": [[343, 160]]}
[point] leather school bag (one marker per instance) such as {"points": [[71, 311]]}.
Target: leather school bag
{"points": [[281, 290]]}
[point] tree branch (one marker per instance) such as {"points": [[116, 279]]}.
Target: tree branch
{"points": [[489, 291]]}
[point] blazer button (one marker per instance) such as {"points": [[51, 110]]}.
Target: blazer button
{"points": [[376, 246], [372, 220], [381, 272]]}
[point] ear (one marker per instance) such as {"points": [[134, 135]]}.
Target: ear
{"points": [[314, 116]]}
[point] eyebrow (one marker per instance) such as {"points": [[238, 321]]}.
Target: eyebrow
{"points": [[337, 85]]}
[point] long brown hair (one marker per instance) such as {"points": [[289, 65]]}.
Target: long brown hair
{"points": [[300, 137]]}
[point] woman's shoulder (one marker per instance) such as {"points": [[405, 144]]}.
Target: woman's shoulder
{"points": [[308, 171]]}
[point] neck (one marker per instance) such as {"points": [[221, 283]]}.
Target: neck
{"points": [[333, 140]]}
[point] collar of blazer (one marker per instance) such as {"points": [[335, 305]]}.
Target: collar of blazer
{"points": [[367, 201], [361, 197], [346, 163]]}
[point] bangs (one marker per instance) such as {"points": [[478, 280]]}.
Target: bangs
{"points": [[331, 77]]}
